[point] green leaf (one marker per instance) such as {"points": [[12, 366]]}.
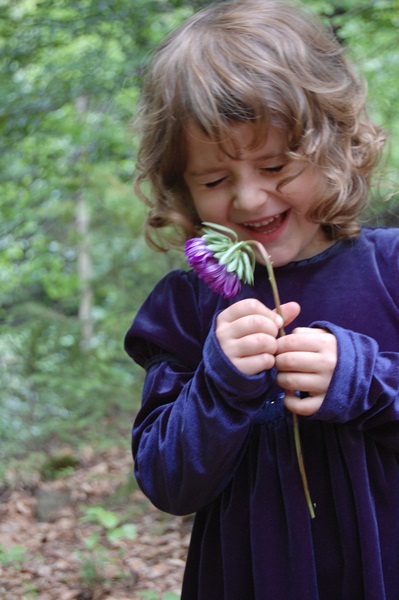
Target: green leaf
{"points": [[106, 518], [15, 554], [93, 540], [128, 531], [148, 594]]}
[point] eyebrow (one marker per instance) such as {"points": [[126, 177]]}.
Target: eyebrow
{"points": [[202, 172]]}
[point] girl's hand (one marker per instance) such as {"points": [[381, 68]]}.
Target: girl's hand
{"points": [[247, 331], [306, 360]]}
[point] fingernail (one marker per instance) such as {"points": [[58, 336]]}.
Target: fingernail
{"points": [[279, 321]]}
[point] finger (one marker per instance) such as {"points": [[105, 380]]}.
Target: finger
{"points": [[290, 311], [305, 339], [248, 336], [248, 325], [306, 362], [297, 361], [312, 383], [252, 365], [252, 345], [302, 406], [248, 306]]}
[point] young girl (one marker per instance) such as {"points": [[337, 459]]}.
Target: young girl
{"points": [[252, 119]]}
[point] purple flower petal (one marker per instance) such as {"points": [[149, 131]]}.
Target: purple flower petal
{"points": [[196, 251], [205, 265], [232, 286]]}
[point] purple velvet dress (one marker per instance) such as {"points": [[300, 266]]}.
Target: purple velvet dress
{"points": [[213, 441]]}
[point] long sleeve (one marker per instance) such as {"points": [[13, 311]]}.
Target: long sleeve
{"points": [[364, 392], [191, 431]]}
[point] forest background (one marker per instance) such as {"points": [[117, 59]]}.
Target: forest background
{"points": [[74, 270], [73, 265]]}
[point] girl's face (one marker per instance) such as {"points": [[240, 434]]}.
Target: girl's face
{"points": [[241, 192]]}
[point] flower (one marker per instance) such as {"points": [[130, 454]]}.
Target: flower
{"points": [[206, 266], [219, 259]]}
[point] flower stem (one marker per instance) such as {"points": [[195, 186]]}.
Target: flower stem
{"points": [[272, 279], [301, 465], [295, 420]]}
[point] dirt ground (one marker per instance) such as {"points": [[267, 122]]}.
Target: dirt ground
{"points": [[48, 550]]}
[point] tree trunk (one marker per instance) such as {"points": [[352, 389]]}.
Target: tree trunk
{"points": [[84, 264]]}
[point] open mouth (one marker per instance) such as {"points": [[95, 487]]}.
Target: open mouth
{"points": [[267, 226]]}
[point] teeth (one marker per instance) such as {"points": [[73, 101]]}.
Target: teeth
{"points": [[260, 223]]}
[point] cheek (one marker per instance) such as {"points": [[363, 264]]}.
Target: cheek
{"points": [[186, 205], [315, 184], [306, 191], [198, 207], [206, 210]]}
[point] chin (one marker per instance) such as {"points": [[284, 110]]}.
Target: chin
{"points": [[279, 259]]}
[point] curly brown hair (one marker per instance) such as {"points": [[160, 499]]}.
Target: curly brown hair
{"points": [[261, 61]]}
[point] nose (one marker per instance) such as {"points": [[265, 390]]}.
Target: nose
{"points": [[250, 195]]}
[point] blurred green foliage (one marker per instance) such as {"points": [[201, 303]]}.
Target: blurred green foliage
{"points": [[69, 80]]}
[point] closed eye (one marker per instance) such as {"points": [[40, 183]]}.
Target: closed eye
{"points": [[275, 169], [212, 184]]}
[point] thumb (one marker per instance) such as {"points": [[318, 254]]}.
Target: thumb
{"points": [[290, 311]]}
